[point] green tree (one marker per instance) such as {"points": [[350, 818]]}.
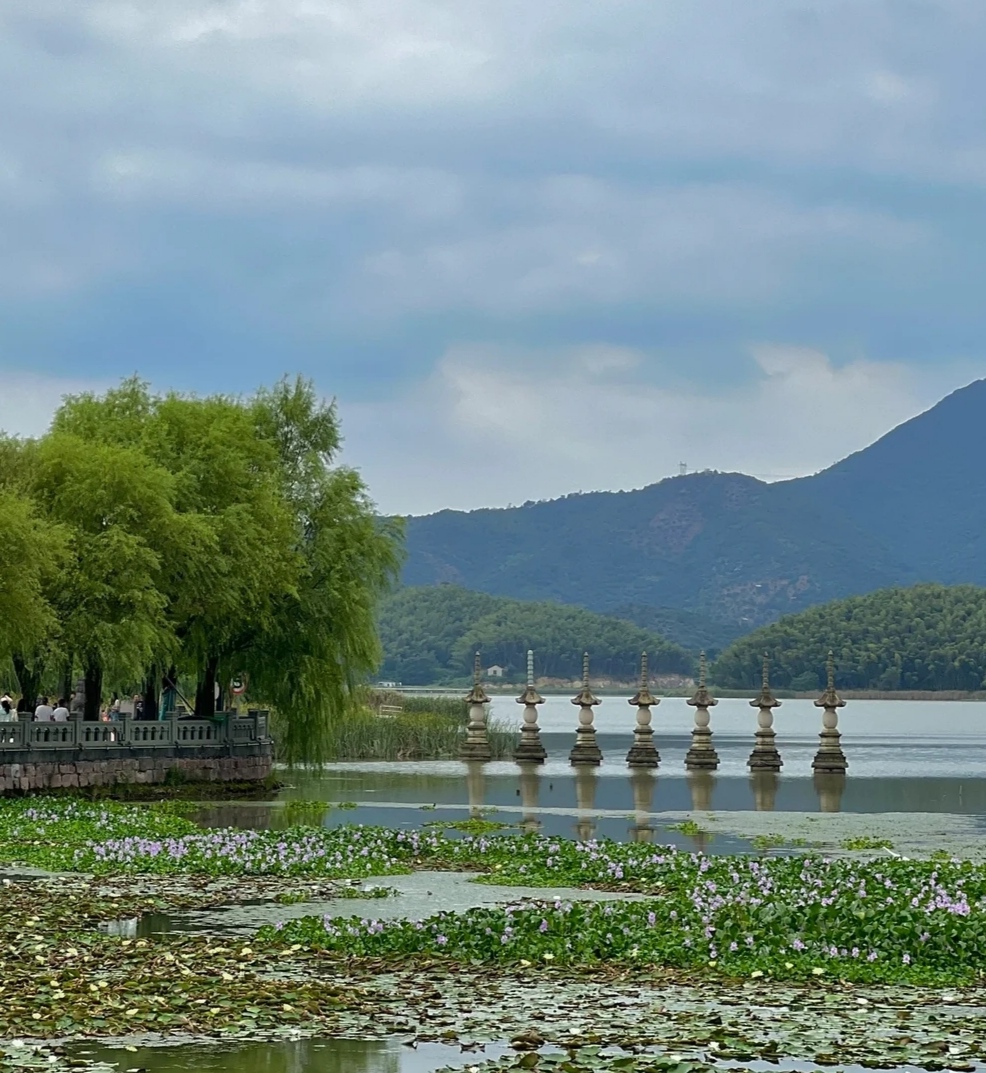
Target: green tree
{"points": [[927, 637], [116, 509], [438, 628], [281, 560]]}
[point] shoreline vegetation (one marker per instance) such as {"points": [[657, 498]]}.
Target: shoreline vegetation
{"points": [[619, 689], [705, 935], [389, 726]]}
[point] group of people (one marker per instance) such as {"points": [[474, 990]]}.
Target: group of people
{"points": [[46, 712]]}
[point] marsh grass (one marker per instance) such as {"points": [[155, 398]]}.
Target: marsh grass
{"points": [[417, 733]]}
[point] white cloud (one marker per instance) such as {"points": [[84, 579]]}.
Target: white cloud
{"points": [[28, 402], [576, 240], [489, 430]]}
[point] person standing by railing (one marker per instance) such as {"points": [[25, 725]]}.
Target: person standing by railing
{"points": [[60, 714], [44, 711], [8, 711]]}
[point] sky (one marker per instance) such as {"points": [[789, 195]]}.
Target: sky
{"points": [[530, 247]]}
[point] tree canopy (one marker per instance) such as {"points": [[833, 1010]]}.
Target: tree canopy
{"points": [[152, 537], [927, 637], [429, 635]]}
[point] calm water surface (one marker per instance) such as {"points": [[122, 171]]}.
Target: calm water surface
{"points": [[292, 1056], [903, 757]]}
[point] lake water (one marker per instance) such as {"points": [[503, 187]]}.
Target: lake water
{"points": [[922, 763], [904, 757]]}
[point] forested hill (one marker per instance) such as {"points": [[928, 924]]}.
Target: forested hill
{"points": [[910, 508], [429, 636], [929, 637]]}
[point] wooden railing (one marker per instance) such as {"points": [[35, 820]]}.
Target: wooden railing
{"points": [[228, 728]]}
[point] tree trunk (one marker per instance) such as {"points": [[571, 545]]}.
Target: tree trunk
{"points": [[169, 686], [205, 694], [94, 690], [29, 682], [150, 693], [65, 681]]}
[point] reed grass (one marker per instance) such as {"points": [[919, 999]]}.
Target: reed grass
{"points": [[425, 730]]}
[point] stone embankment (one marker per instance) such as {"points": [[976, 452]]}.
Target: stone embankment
{"points": [[77, 755], [64, 773]]}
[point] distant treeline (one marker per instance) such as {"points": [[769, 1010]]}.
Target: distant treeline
{"points": [[429, 635], [928, 637]]}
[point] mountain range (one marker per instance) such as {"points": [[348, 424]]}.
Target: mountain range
{"points": [[720, 553]]}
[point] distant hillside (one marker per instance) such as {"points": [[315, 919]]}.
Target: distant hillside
{"points": [[429, 635], [686, 628], [919, 491], [928, 637], [733, 550]]}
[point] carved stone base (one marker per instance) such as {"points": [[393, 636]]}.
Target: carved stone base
{"points": [[643, 753], [529, 749], [585, 750], [476, 750], [830, 759], [765, 756], [701, 756], [643, 756]]}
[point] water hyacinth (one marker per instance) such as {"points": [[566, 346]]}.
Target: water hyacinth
{"points": [[345, 852], [885, 919], [788, 916]]}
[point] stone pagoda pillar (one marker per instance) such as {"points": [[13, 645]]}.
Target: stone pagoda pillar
{"points": [[702, 756], [643, 753], [477, 743], [830, 759], [765, 756], [530, 749], [585, 750]]}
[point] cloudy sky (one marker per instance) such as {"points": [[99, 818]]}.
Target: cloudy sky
{"points": [[530, 246]]}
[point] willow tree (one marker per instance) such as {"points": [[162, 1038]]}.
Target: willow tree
{"points": [[321, 643], [116, 509], [282, 580]]}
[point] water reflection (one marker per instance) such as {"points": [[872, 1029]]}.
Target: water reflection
{"points": [[764, 785], [475, 788], [529, 791], [829, 788], [586, 782], [287, 1056], [643, 782], [700, 785]]}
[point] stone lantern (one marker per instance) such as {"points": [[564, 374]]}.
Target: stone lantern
{"points": [[830, 759], [643, 753], [477, 743], [702, 756], [529, 749], [585, 750], [765, 756]]}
